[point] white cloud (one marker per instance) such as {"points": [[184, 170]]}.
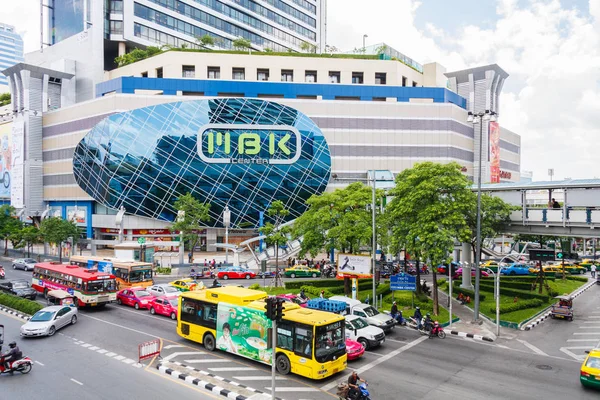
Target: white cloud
{"points": [[25, 16]]}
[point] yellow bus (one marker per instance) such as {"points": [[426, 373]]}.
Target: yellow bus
{"points": [[127, 273], [310, 343]]}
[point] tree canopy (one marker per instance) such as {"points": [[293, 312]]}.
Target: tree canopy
{"points": [[57, 230], [191, 216], [275, 234]]}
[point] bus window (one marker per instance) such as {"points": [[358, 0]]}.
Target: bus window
{"points": [[139, 276], [303, 342], [191, 311], [210, 316], [330, 341], [285, 338]]}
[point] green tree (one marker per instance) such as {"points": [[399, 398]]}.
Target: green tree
{"points": [[4, 99], [275, 234], [206, 40], [242, 44], [8, 224], [381, 49], [138, 54], [191, 216], [308, 47], [31, 235], [56, 230], [15, 235], [427, 212]]}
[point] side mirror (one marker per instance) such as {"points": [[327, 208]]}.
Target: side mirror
{"points": [[587, 352]]}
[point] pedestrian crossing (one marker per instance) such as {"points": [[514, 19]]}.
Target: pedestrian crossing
{"points": [[585, 337]]}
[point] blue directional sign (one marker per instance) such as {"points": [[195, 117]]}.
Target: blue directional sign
{"points": [[403, 281]]}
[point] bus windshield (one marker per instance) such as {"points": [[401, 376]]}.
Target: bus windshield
{"points": [[330, 341], [140, 276], [105, 285]]}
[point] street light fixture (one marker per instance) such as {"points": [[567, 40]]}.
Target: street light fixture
{"points": [[479, 118], [365, 36]]}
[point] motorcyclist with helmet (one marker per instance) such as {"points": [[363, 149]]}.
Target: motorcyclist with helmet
{"points": [[12, 355], [397, 314], [418, 317], [427, 322]]}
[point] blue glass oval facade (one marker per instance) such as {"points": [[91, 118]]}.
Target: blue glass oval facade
{"points": [[243, 153]]}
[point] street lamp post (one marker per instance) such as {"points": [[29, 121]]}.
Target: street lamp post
{"points": [[226, 222], [365, 36], [479, 118]]}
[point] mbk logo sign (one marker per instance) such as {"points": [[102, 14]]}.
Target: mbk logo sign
{"points": [[249, 144]]}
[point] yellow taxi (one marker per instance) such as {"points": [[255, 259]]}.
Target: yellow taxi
{"points": [[491, 264], [187, 284], [301, 271], [549, 269], [587, 263], [589, 375]]}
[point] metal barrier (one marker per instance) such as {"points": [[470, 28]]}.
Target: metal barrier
{"points": [[149, 349]]}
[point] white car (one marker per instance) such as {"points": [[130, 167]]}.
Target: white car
{"points": [[48, 320], [162, 289], [25, 264], [359, 330]]}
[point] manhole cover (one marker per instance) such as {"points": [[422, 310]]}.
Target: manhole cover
{"points": [[543, 367]]}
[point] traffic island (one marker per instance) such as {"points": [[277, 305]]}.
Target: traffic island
{"points": [[211, 382]]}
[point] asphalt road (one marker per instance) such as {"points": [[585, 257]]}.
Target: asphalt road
{"points": [[407, 366]]}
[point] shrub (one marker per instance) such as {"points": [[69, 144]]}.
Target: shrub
{"points": [[25, 306], [519, 305], [254, 286], [315, 292], [577, 278], [363, 284], [163, 270]]}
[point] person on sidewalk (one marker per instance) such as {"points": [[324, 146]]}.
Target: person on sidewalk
{"points": [[461, 298], [593, 269]]}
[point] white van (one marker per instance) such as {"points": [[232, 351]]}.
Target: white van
{"points": [[359, 330], [369, 313]]}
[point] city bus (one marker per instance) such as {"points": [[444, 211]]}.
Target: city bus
{"points": [[310, 343], [127, 273], [90, 287]]}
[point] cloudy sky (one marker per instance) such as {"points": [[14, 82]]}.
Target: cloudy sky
{"points": [[550, 48]]}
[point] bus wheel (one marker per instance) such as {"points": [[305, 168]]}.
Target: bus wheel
{"points": [[46, 293], [283, 364], [209, 342]]}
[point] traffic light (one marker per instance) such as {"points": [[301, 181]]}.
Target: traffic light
{"points": [[279, 310], [270, 308]]}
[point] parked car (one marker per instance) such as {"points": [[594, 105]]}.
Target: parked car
{"points": [[301, 271], [20, 288], [589, 374], [368, 312], [187, 284], [443, 269], [136, 297], [166, 305], [459, 271], [354, 350], [491, 264], [515, 269], [198, 272], [163, 289], [26, 264], [294, 298], [235, 273], [358, 329], [48, 320]]}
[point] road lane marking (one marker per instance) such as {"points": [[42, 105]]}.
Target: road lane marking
{"points": [[591, 322], [532, 347], [128, 361], [585, 333], [119, 358], [110, 354], [148, 315], [567, 351], [172, 346], [594, 317], [367, 367], [395, 341], [86, 345], [205, 361], [39, 363], [590, 327], [377, 354], [77, 382], [259, 378], [121, 326], [94, 348], [583, 340], [293, 389], [181, 353], [227, 369], [101, 351]]}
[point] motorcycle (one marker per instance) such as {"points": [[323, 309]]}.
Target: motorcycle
{"points": [[329, 272], [437, 330], [399, 319], [2, 274], [412, 323], [343, 389], [22, 365]]}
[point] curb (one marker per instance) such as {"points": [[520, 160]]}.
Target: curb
{"points": [[547, 313], [15, 313], [206, 385], [471, 336]]}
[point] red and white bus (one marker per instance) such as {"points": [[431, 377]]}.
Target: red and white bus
{"points": [[88, 286]]}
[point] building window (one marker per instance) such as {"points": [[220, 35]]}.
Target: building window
{"points": [[415, 84], [262, 75], [116, 6], [238, 74], [159, 72], [116, 27], [380, 78], [188, 71], [403, 81], [145, 74], [310, 76], [334, 76], [214, 73], [287, 75], [357, 77]]}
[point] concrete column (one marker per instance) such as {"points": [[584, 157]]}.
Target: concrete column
{"points": [[122, 48], [93, 247], [466, 260], [129, 234]]}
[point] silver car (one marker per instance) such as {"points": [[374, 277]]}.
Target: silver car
{"points": [[48, 320], [25, 264], [162, 289]]}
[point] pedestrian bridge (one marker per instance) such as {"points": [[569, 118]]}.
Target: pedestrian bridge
{"points": [[578, 216]]}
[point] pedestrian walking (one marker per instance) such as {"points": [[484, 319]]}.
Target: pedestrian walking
{"points": [[593, 270]]}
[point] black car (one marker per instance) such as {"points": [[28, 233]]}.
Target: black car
{"points": [[20, 288]]}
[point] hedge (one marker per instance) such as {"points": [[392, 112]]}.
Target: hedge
{"points": [[519, 305], [26, 306], [315, 292], [577, 278], [363, 284]]}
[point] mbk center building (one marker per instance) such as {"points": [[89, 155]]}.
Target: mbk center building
{"points": [[234, 130]]}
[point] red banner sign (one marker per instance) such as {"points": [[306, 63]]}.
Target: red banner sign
{"points": [[495, 152]]}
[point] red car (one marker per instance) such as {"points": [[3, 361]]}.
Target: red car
{"points": [[235, 273], [354, 350], [458, 273], [165, 306], [136, 297], [293, 298]]}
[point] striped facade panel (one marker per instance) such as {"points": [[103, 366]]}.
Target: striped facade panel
{"points": [[510, 146], [62, 179], [72, 126], [60, 154]]}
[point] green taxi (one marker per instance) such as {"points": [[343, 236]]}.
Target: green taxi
{"points": [[301, 271]]}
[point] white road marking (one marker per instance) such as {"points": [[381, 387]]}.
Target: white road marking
{"points": [[591, 322], [582, 340], [259, 378], [172, 346], [181, 353], [585, 333], [110, 354], [39, 363], [377, 354], [148, 315], [395, 341], [119, 358], [594, 317], [121, 326], [128, 361], [367, 367], [226, 369], [94, 348], [86, 345], [77, 382], [206, 361], [532, 347], [590, 327], [101, 351], [567, 351], [293, 389]]}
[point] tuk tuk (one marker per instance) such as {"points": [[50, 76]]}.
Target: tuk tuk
{"points": [[563, 308], [61, 298]]}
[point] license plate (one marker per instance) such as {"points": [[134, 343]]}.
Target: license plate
{"points": [[335, 370], [93, 304]]}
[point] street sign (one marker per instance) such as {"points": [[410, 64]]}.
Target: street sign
{"points": [[541, 255], [142, 240], [403, 281]]}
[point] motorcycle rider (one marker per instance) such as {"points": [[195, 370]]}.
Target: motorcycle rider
{"points": [[354, 390], [302, 295], [216, 283], [427, 322], [418, 317], [13, 354], [396, 314], [2, 273]]}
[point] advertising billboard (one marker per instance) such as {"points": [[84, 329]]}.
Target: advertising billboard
{"points": [[354, 266], [494, 152], [77, 214], [17, 154], [6, 159], [244, 331]]}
